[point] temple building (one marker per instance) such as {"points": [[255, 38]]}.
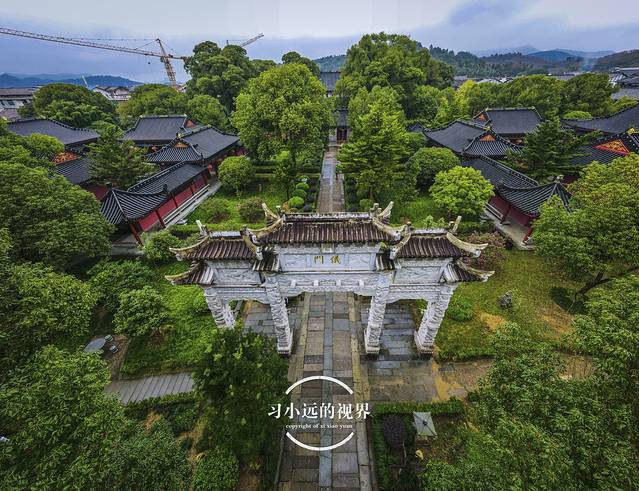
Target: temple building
{"points": [[148, 203], [153, 131], [329, 80], [339, 252], [511, 123], [341, 130], [469, 139], [624, 121], [608, 148], [518, 198], [204, 146], [74, 139]]}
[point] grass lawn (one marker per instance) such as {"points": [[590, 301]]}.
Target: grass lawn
{"points": [[530, 279], [272, 194], [416, 211], [184, 342]]}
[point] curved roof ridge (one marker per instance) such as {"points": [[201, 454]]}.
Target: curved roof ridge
{"points": [[636, 106], [73, 128], [156, 176], [505, 168], [497, 138]]}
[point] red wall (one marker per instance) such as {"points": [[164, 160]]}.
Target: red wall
{"points": [[514, 215], [98, 191]]}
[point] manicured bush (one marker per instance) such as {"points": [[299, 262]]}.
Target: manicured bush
{"points": [[469, 227], [236, 173], [157, 247], [141, 312], [296, 202], [365, 204], [461, 191], [216, 209], [492, 256], [217, 470], [310, 198], [429, 161], [109, 279], [302, 185], [250, 210], [308, 208], [300, 193], [460, 309]]}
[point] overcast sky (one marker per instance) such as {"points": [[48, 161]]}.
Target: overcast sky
{"points": [[314, 28]]}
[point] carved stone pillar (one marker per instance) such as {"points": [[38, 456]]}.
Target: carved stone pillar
{"points": [[433, 317], [221, 311], [280, 318], [376, 315]]}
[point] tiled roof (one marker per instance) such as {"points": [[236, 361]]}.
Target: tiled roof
{"points": [[498, 173], [154, 129], [469, 138], [329, 79], [195, 146], [121, 206], [633, 81], [619, 122], [341, 117], [168, 179], [628, 92], [9, 113], [66, 134], [76, 170], [529, 200], [430, 247], [510, 120], [18, 91], [219, 248], [607, 148]]}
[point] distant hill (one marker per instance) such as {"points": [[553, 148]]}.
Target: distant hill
{"points": [[623, 59], [331, 63], [524, 50], [7, 80]]}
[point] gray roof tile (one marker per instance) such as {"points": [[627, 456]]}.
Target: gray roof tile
{"points": [[68, 135]]}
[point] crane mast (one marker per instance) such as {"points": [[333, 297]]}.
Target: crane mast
{"points": [[164, 57]]}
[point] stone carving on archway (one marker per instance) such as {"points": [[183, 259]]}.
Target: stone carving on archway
{"points": [[338, 252]]}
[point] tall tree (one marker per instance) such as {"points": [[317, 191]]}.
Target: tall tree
{"points": [[461, 191], [117, 162], [283, 109], [206, 109], [153, 99], [588, 92], [73, 105], [220, 73], [549, 148], [539, 91], [295, 57], [376, 148], [391, 60], [599, 238], [48, 218], [35, 150], [361, 103], [286, 170]]}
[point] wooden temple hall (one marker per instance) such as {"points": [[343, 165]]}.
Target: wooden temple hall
{"points": [[359, 253]]}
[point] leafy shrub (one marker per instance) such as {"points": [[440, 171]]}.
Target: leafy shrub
{"points": [[109, 279], [236, 173], [365, 204], [216, 209], [300, 193], [157, 247], [217, 470], [428, 161], [141, 312], [492, 256], [310, 198], [468, 227], [460, 309], [186, 444], [250, 210], [296, 202], [577, 115], [362, 193], [394, 431], [461, 191], [302, 185], [199, 305], [352, 207]]}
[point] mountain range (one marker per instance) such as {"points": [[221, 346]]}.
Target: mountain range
{"points": [[20, 80]]}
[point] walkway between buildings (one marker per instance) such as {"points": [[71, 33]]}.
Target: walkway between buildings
{"points": [[150, 387]]}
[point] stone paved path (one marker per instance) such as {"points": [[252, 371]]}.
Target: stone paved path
{"points": [[150, 387], [331, 194]]}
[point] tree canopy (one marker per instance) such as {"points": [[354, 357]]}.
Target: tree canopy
{"points": [[295, 57], [73, 105], [391, 60], [284, 108], [599, 237], [430, 161], [35, 150], [236, 173], [153, 99], [461, 191]]}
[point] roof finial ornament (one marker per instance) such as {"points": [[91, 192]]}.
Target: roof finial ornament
{"points": [[203, 230], [270, 216], [455, 225]]}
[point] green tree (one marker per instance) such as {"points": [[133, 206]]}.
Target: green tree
{"points": [[375, 150], [295, 57], [283, 109], [542, 92], [241, 377], [599, 238], [429, 161], [153, 99], [40, 306], [217, 470], [454, 104], [361, 103], [285, 171], [206, 109], [461, 191], [157, 247], [549, 148], [117, 162], [588, 92], [427, 101], [73, 105], [35, 150], [220, 73], [50, 219], [481, 96], [236, 173], [141, 312], [577, 115], [110, 279], [391, 60]]}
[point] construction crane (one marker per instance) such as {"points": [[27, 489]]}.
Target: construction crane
{"points": [[164, 57], [245, 43]]}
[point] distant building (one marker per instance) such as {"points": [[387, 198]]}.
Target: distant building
{"points": [[9, 114], [13, 98], [511, 123], [341, 131], [329, 79], [114, 93], [154, 132]]}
